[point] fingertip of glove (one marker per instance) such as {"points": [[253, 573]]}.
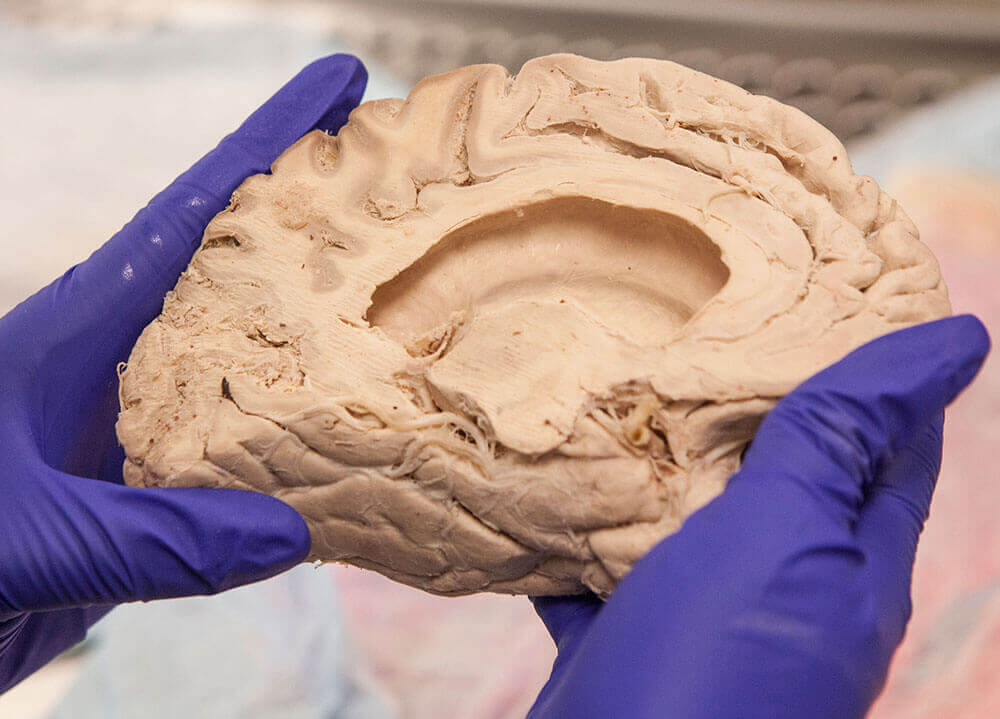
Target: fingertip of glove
{"points": [[277, 535], [964, 343], [341, 70], [339, 65], [971, 333], [246, 537], [334, 85], [293, 526]]}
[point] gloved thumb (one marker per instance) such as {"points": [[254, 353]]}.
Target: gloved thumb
{"points": [[107, 543], [826, 440]]}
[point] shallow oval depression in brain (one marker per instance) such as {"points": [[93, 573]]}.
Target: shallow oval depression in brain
{"points": [[506, 335], [642, 272]]}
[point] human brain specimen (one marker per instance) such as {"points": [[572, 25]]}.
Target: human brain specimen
{"points": [[507, 334]]}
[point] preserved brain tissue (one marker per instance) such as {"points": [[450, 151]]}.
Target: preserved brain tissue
{"points": [[505, 335]]}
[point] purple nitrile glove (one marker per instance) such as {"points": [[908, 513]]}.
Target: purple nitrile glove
{"points": [[787, 595], [71, 547]]}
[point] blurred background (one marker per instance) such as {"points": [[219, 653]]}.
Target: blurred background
{"points": [[106, 101]]}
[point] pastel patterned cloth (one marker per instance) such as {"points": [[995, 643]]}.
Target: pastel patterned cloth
{"points": [[273, 649]]}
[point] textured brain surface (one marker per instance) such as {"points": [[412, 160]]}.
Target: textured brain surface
{"points": [[507, 334]]}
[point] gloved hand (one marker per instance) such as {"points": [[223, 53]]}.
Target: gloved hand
{"points": [[70, 546], [787, 595]]}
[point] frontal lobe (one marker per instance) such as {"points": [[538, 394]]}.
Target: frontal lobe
{"points": [[508, 333]]}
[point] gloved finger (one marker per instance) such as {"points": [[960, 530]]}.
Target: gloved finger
{"points": [[892, 519], [40, 638], [566, 618], [90, 542], [822, 442], [104, 303]]}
